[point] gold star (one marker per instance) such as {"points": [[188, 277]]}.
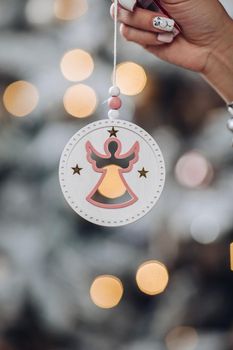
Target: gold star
{"points": [[113, 132], [143, 172], [77, 170]]}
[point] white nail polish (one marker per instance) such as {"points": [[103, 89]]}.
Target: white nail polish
{"points": [[165, 37], [175, 32], [128, 4], [163, 23]]}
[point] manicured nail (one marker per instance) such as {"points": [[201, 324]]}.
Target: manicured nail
{"points": [[165, 37], [128, 4], [175, 32], [163, 23]]}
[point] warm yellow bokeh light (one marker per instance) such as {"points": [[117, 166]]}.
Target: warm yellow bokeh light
{"points": [[80, 101], [106, 291], [152, 277], [68, 10], [182, 338], [112, 185], [231, 256], [131, 78], [77, 65], [20, 98]]}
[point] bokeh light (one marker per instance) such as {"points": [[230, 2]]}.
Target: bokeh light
{"points": [[68, 10], [106, 291], [205, 228], [80, 101], [182, 338], [39, 12], [77, 65], [131, 78], [20, 98], [152, 277], [231, 256], [193, 170]]}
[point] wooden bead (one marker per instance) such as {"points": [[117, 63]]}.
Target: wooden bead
{"points": [[114, 103], [113, 114], [230, 124], [114, 91], [230, 108]]}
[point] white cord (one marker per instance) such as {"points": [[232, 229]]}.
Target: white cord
{"points": [[114, 91], [115, 42]]}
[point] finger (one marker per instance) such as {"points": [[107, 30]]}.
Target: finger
{"points": [[145, 20], [143, 38]]}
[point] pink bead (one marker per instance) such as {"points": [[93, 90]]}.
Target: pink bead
{"points": [[114, 103]]}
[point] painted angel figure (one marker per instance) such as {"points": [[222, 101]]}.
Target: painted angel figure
{"points": [[112, 190]]}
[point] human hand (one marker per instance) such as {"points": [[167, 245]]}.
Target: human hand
{"points": [[207, 35]]}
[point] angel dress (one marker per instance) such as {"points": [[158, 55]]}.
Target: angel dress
{"points": [[112, 190]]}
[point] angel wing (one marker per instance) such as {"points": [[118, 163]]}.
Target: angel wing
{"points": [[95, 158], [130, 158]]}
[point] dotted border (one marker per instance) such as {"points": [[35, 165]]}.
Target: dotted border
{"points": [[93, 126]]}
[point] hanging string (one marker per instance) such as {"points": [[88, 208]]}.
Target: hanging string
{"points": [[114, 102], [115, 42]]}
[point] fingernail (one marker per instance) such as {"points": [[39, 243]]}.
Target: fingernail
{"points": [[128, 4], [112, 10], [163, 23], [165, 37], [175, 32]]}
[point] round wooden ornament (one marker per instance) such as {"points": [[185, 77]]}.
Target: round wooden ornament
{"points": [[112, 172]]}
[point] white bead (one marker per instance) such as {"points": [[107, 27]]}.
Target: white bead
{"points": [[113, 114], [230, 108], [230, 124], [114, 91]]}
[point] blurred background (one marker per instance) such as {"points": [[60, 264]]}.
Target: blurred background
{"points": [[55, 72]]}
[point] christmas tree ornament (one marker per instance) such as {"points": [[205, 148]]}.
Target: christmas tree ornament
{"points": [[112, 171]]}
